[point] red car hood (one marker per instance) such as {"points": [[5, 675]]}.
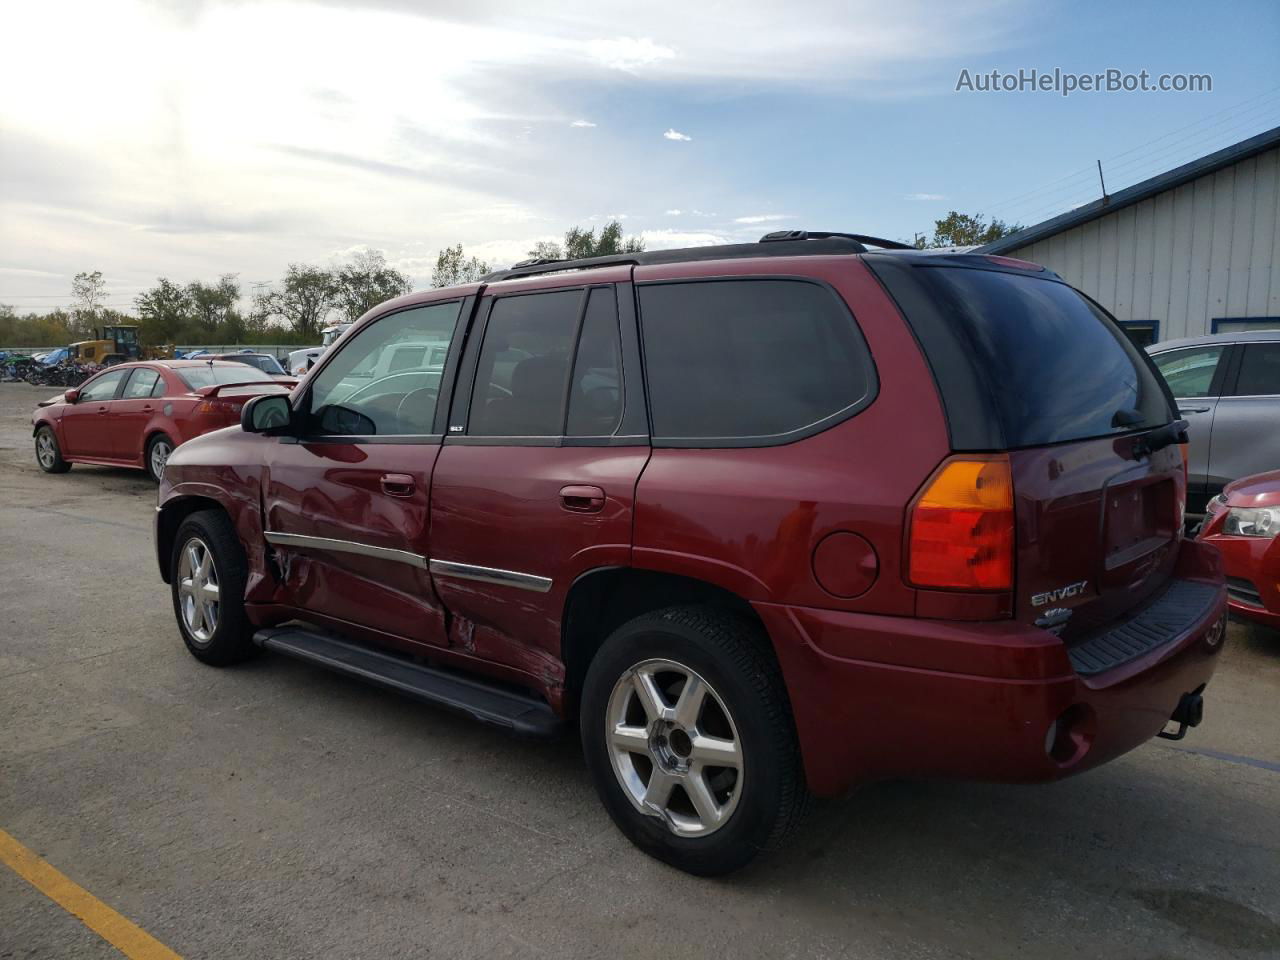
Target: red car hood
{"points": [[1260, 490]]}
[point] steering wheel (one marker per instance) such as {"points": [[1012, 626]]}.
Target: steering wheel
{"points": [[416, 402]]}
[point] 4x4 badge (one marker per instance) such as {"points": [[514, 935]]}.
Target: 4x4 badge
{"points": [[1062, 593]]}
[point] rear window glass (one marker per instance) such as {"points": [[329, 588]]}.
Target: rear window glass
{"points": [[1055, 367], [749, 359], [209, 375]]}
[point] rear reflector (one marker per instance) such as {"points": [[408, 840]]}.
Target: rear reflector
{"points": [[962, 526]]}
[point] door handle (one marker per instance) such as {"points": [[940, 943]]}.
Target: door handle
{"points": [[398, 485], [147, 408], [581, 498], [1185, 410]]}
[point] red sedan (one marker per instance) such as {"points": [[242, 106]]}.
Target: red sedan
{"points": [[135, 414], [1243, 523]]}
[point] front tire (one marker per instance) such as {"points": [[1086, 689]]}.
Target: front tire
{"points": [[207, 573], [159, 449], [48, 453], [688, 735]]}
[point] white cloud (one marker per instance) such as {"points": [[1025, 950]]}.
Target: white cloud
{"points": [[764, 218], [673, 213], [582, 123], [179, 167], [674, 239], [628, 53], [924, 196]]}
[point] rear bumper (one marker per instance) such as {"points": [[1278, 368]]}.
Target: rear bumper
{"points": [[877, 697]]}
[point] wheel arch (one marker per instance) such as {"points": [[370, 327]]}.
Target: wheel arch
{"points": [[601, 600], [169, 517]]}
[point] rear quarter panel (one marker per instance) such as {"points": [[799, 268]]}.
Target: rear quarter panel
{"points": [[749, 518]]}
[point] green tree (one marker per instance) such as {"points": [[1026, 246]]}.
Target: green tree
{"points": [[964, 230], [214, 305], [453, 267], [367, 281], [306, 296], [546, 250], [165, 312]]}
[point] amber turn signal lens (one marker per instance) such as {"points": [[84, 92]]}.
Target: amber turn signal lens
{"points": [[962, 527]]}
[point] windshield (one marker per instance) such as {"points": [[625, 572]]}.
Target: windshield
{"points": [[210, 375]]}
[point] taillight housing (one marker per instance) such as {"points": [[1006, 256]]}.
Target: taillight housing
{"points": [[961, 526]]}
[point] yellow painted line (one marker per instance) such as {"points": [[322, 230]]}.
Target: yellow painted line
{"points": [[121, 933]]}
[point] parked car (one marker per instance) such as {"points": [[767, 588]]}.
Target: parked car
{"points": [[262, 361], [135, 414], [1228, 389], [1243, 523], [764, 520]]}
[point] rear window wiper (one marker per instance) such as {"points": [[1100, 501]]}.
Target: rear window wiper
{"points": [[1161, 437]]}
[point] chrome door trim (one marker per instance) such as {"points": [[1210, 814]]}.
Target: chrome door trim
{"points": [[503, 578], [345, 546]]}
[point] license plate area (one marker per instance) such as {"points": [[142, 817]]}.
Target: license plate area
{"points": [[1140, 517]]}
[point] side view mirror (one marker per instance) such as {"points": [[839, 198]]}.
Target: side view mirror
{"points": [[267, 414], [72, 395]]}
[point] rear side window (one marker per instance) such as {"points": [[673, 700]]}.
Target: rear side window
{"points": [[1259, 370], [749, 360], [1190, 372], [524, 366], [595, 392], [141, 384], [1023, 361]]}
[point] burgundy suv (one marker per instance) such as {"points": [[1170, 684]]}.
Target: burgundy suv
{"points": [[765, 520]]}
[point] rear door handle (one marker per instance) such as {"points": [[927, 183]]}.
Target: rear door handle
{"points": [[582, 498], [1185, 410], [398, 485]]}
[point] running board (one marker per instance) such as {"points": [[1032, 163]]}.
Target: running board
{"points": [[489, 703]]}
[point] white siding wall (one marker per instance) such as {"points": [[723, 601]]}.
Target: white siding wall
{"points": [[1209, 248]]}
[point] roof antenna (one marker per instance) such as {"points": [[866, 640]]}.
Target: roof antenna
{"points": [[1105, 198]]}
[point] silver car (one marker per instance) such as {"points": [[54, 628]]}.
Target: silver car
{"points": [[1228, 390]]}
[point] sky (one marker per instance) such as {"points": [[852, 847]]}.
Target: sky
{"points": [[193, 138]]}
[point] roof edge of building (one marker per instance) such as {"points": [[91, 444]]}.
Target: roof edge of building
{"points": [[1127, 197]]}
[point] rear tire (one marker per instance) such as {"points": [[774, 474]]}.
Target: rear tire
{"points": [[207, 573], [705, 785], [159, 449], [48, 453]]}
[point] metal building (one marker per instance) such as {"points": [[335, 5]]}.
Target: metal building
{"points": [[1192, 251]]}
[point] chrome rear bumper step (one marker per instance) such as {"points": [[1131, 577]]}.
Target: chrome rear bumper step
{"points": [[487, 702]]}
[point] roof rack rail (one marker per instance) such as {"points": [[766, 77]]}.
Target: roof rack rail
{"points": [[862, 238], [777, 244]]}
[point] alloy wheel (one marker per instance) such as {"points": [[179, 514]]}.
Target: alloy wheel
{"points": [[198, 592], [160, 451], [45, 451], [674, 747]]}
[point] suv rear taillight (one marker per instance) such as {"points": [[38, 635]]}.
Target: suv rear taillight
{"points": [[962, 526]]}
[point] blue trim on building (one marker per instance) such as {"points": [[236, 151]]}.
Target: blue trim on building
{"points": [[1138, 192]]}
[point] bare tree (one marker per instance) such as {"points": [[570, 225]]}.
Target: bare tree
{"points": [[366, 281]]}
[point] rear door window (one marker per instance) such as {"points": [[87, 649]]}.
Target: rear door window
{"points": [[141, 384], [749, 361], [523, 370], [595, 390], [1259, 370], [1190, 372]]}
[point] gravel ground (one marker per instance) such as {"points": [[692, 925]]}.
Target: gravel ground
{"points": [[275, 810]]}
